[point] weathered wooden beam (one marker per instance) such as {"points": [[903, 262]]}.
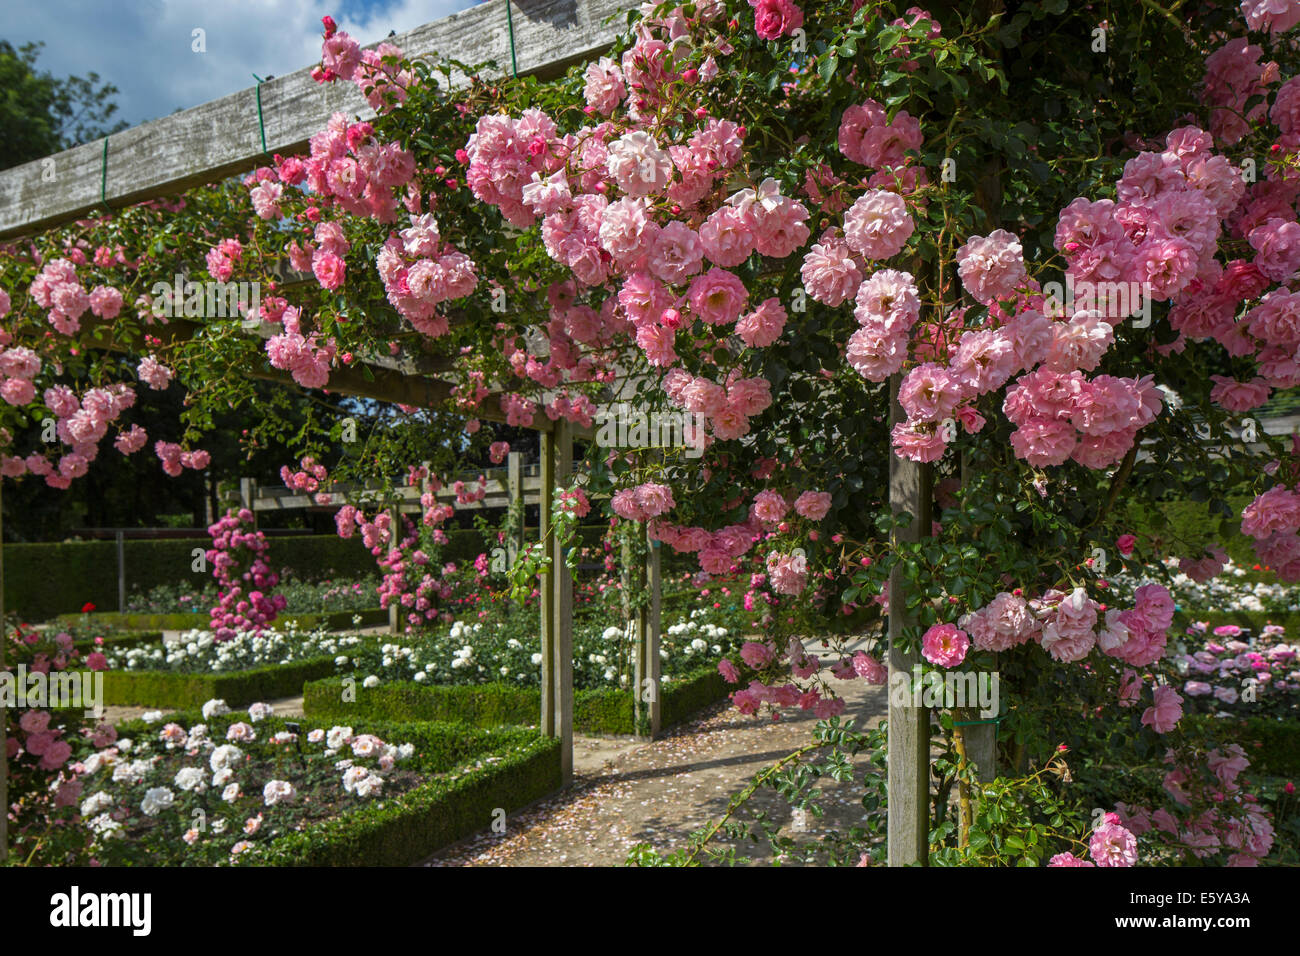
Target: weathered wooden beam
{"points": [[222, 138]]}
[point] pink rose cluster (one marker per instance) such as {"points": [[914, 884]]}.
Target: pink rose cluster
{"points": [[348, 168], [1209, 565], [303, 356], [244, 579], [309, 476], [57, 288], [868, 137], [646, 501], [1063, 415], [175, 459], [1111, 844], [1273, 519], [1070, 626], [762, 657], [381, 74], [1275, 16], [411, 580], [1210, 814], [80, 423], [727, 407], [1216, 671], [420, 271]]}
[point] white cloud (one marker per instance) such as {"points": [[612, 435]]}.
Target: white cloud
{"points": [[144, 47]]}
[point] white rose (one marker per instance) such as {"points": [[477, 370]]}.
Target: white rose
{"points": [[190, 778], [215, 708], [156, 799], [95, 803], [278, 791], [224, 757]]}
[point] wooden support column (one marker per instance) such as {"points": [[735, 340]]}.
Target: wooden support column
{"points": [[981, 739], [562, 651], [910, 491], [649, 692], [248, 496], [515, 488], [395, 536], [121, 572], [635, 579], [546, 587]]}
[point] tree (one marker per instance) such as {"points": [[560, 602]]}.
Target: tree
{"points": [[41, 114]]}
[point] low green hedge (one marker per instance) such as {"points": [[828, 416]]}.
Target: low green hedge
{"points": [[49, 578], [603, 711], [524, 767], [188, 622], [169, 690], [133, 639], [470, 772], [1272, 746]]}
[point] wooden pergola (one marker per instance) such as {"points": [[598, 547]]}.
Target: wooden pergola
{"points": [[238, 132]]}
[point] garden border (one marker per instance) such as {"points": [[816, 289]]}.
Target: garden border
{"points": [[605, 711], [181, 691], [404, 829]]}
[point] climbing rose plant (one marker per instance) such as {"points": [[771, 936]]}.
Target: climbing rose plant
{"points": [[942, 235]]}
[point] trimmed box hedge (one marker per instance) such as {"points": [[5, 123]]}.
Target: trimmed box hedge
{"points": [[604, 711], [116, 641], [179, 691], [470, 772], [45, 579], [331, 620], [50, 578]]}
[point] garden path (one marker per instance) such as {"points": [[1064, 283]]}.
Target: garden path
{"points": [[626, 793]]}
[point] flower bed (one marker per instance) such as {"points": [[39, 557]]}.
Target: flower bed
{"points": [[212, 787], [186, 622], [601, 711], [508, 651]]}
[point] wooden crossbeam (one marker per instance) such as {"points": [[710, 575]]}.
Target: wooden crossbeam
{"points": [[222, 138]]}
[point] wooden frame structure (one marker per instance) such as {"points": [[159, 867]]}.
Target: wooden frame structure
{"points": [[236, 133]]}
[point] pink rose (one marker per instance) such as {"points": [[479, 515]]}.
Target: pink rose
{"points": [[945, 645]]}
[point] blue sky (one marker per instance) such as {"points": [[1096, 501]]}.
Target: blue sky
{"points": [[144, 46]]}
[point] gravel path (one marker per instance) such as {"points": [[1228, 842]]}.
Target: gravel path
{"points": [[659, 793]]}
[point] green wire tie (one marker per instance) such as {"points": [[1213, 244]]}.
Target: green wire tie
{"points": [[972, 723], [261, 125], [510, 26], [103, 175]]}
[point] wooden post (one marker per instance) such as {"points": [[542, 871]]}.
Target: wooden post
{"points": [[981, 739], [546, 589], [648, 694], [121, 572], [634, 579], [248, 495], [562, 651], [4, 715], [909, 726], [654, 568], [515, 487], [395, 536]]}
